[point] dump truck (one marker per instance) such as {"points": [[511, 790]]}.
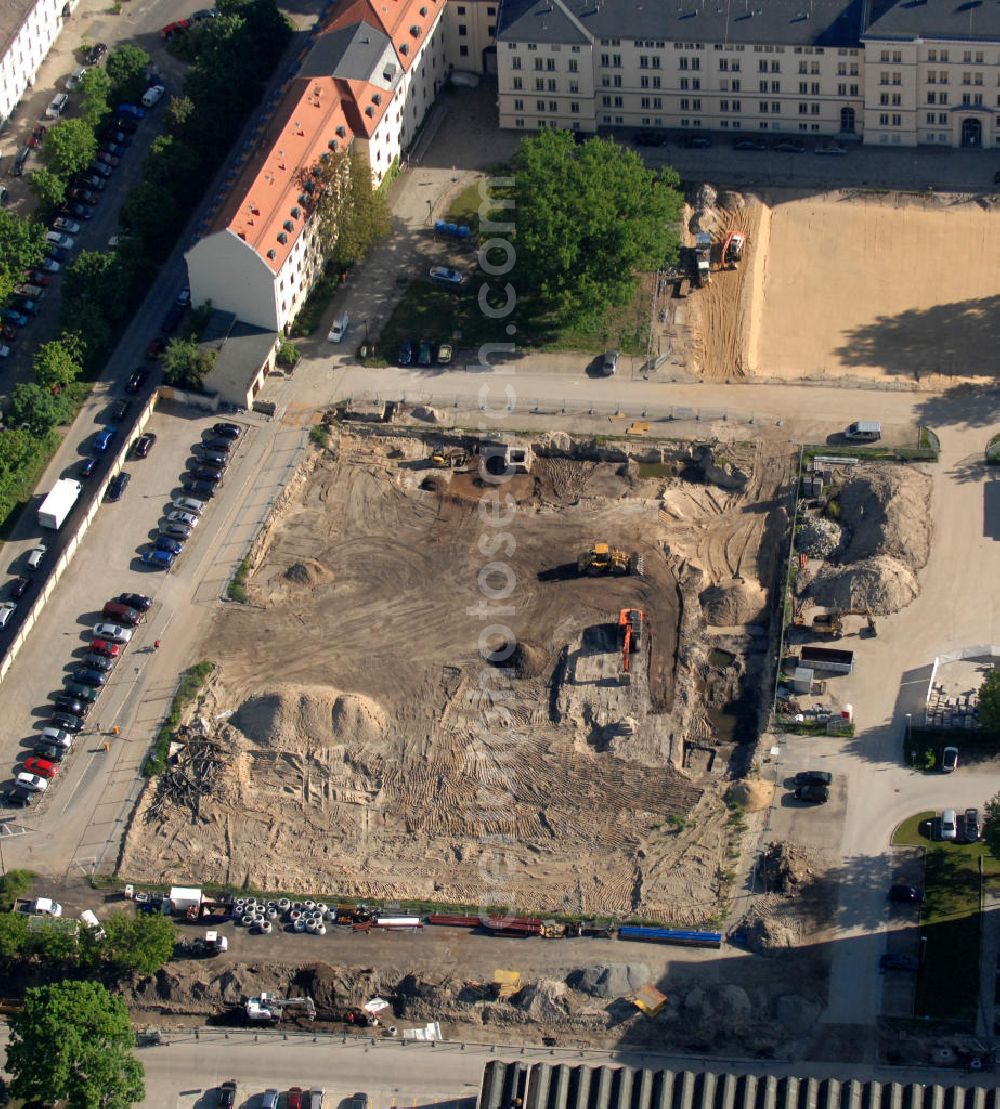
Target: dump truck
{"points": [[59, 503], [630, 621], [703, 258], [269, 1009], [832, 622], [605, 559], [212, 943], [37, 906], [449, 459], [732, 249]]}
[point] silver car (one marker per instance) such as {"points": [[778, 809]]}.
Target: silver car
{"points": [[175, 531], [113, 632]]}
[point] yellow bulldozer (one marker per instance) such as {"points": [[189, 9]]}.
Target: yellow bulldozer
{"points": [[605, 559], [449, 458]]}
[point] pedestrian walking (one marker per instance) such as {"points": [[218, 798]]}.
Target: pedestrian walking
{"points": [[156, 645]]}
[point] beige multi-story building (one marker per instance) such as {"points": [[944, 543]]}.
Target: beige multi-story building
{"points": [[470, 30], [792, 68]]}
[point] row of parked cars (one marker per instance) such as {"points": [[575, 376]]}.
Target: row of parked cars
{"points": [[208, 466], [296, 1098], [110, 636]]}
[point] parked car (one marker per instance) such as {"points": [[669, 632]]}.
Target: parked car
{"points": [[143, 445], [48, 753], [179, 26], [114, 633], [175, 531], [899, 962], [92, 181], [36, 556], [293, 1099], [404, 356], [86, 676], [444, 354], [156, 347], [19, 587], [16, 318], [99, 169], [813, 778], [152, 96], [87, 467], [7, 610], [106, 158], [123, 125], [189, 504], [609, 365], [18, 797], [425, 353], [96, 53], [106, 649], [183, 298], [812, 794], [103, 439], [84, 692], [67, 702], [218, 459], [269, 1099], [84, 196], [949, 760], [171, 546], [904, 894], [225, 1096], [122, 614], [446, 275], [830, 148], [136, 380], [204, 489], [117, 135], [5, 351], [97, 662], [210, 474], [971, 822], [749, 144], [227, 431], [139, 601], [119, 410], [130, 110], [115, 149], [60, 239], [696, 142], [35, 782], [171, 320], [187, 518], [67, 722], [162, 560], [949, 825], [217, 443], [67, 225], [57, 105], [650, 138], [56, 736], [77, 210]]}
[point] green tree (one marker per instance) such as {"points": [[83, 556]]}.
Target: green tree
{"points": [[22, 246], [74, 1041], [127, 68], [587, 218], [989, 702], [96, 89], [991, 825], [185, 364], [178, 114], [59, 362], [13, 934], [173, 166], [36, 409], [52, 940], [69, 145], [138, 944], [14, 884], [49, 187], [152, 213], [353, 216]]}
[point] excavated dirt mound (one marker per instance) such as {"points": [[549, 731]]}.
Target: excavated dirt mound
{"points": [[309, 572], [753, 795], [886, 512], [524, 661], [881, 583], [735, 602], [301, 718], [787, 867], [616, 980]]}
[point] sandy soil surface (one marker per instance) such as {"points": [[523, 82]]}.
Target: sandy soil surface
{"points": [[371, 750], [880, 287]]}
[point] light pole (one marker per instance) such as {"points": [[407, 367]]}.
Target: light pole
{"points": [[430, 211], [365, 322]]}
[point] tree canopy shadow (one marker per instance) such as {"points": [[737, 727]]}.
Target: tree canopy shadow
{"points": [[973, 405], [956, 338]]}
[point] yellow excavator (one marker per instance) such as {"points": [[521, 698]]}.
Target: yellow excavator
{"points": [[449, 459], [832, 622], [605, 559]]}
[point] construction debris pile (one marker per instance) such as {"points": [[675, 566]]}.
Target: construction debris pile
{"points": [[883, 511], [190, 776], [818, 537]]}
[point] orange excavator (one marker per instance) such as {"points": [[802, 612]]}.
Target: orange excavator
{"points": [[630, 621]]}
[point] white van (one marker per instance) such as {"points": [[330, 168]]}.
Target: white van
{"points": [[57, 106], [338, 329], [949, 824], [7, 610], [60, 239], [76, 77], [864, 431]]}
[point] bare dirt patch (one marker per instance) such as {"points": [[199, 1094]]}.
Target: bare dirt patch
{"points": [[847, 288], [373, 750]]}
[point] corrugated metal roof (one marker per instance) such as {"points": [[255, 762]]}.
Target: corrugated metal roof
{"points": [[547, 1086]]}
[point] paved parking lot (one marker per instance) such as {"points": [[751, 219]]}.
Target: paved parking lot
{"points": [[93, 790]]}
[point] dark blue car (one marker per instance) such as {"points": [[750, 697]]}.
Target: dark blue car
{"points": [[171, 546], [103, 440]]}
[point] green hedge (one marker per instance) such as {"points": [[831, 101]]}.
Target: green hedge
{"points": [[190, 685]]}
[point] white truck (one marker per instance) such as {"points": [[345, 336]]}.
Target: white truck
{"points": [[37, 906], [59, 503]]}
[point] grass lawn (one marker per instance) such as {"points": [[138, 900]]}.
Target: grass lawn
{"points": [[948, 982]]}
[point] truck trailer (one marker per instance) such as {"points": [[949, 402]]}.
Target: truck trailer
{"points": [[59, 503]]}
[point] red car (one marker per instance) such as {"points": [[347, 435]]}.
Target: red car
{"points": [[44, 768], [103, 647], [294, 1100], [175, 27], [106, 158], [36, 277], [9, 333], [156, 348]]}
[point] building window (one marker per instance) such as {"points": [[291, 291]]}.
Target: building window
{"points": [[618, 80], [932, 55], [815, 109], [463, 51], [762, 67], [803, 67], [643, 61], [574, 87], [803, 88], [517, 83], [515, 63], [518, 122], [657, 103], [462, 30], [931, 118], [944, 55], [550, 64], [775, 86], [803, 108], [942, 119], [538, 65], [763, 107], [883, 56], [737, 105], [685, 104], [518, 105], [553, 86], [644, 103], [553, 106], [735, 86], [605, 60], [855, 90], [841, 90], [966, 78], [775, 107], [539, 105], [684, 83], [573, 65], [883, 77], [644, 82], [723, 65], [574, 107], [884, 119], [682, 63], [696, 82], [897, 119], [619, 102], [979, 79]]}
